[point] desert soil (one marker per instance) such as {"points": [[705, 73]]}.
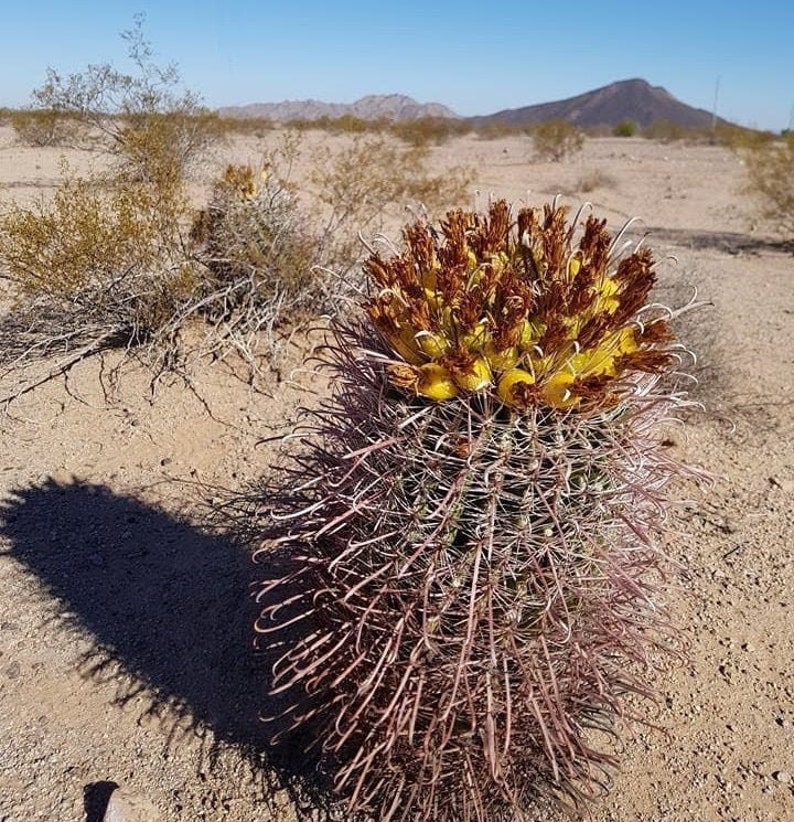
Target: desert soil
{"points": [[125, 625]]}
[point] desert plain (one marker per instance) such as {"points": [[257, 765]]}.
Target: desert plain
{"points": [[125, 622]]}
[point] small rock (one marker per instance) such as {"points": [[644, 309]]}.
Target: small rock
{"points": [[129, 807], [784, 777], [13, 670]]}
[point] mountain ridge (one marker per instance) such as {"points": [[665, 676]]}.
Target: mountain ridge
{"points": [[634, 99], [370, 107]]}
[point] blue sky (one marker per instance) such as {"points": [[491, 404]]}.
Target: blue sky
{"points": [[476, 57]]}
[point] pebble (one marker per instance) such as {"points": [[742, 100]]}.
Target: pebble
{"points": [[129, 807], [784, 777]]}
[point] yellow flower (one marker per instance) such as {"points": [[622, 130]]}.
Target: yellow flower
{"points": [[531, 332], [476, 339], [474, 377], [404, 344], [601, 360], [510, 381], [436, 383], [434, 345], [606, 300], [501, 359], [557, 390]]}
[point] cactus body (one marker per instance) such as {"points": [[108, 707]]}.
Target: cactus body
{"points": [[472, 580]]}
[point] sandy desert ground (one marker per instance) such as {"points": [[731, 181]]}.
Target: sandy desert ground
{"points": [[125, 626]]}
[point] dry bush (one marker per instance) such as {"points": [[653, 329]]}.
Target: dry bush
{"points": [[739, 138], [133, 111], [427, 131], [664, 131], [770, 168], [100, 266], [110, 262], [556, 139], [43, 127], [625, 128], [498, 131], [260, 261], [591, 180], [357, 184], [256, 126], [344, 124]]}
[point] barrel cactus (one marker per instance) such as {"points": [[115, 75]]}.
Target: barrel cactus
{"points": [[470, 528]]}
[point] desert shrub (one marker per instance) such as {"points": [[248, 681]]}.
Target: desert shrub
{"points": [[357, 184], [427, 131], [770, 169], [134, 112], [43, 127], [123, 261], [258, 126], [665, 131], [498, 131], [102, 265], [556, 139], [625, 128], [464, 558], [739, 138], [344, 124], [594, 179], [260, 259]]}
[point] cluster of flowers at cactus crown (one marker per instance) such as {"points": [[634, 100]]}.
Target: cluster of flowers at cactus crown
{"points": [[527, 307]]}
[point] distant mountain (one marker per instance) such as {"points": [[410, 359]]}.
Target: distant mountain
{"points": [[372, 107], [634, 100]]}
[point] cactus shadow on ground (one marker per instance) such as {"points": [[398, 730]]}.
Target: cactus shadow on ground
{"points": [[167, 610]]}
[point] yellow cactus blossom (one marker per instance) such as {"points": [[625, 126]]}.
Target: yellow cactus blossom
{"points": [[435, 382], [606, 299], [531, 331], [473, 377], [501, 359], [403, 342], [511, 380], [492, 302], [477, 338], [601, 360], [499, 262], [433, 344], [557, 390]]}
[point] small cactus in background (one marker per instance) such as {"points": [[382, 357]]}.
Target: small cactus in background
{"points": [[472, 581]]}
